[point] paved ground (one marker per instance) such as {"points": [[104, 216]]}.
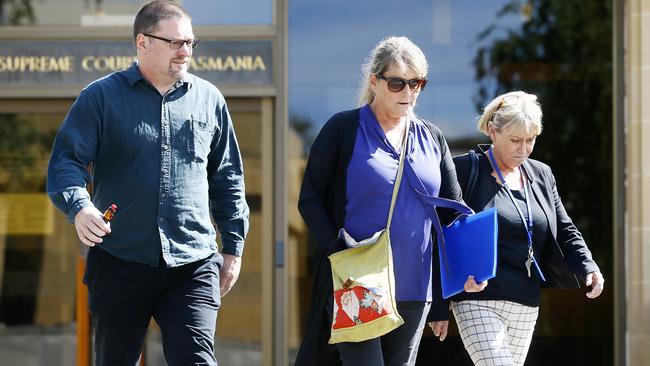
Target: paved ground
{"points": [[33, 346]]}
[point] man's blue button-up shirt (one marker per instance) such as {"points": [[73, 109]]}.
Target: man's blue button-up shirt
{"points": [[167, 162]]}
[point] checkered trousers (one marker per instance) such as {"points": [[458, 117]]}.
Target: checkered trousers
{"points": [[495, 332]]}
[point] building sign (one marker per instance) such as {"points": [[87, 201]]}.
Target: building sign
{"points": [[65, 63]]}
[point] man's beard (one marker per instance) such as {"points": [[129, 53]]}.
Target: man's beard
{"points": [[175, 73]]}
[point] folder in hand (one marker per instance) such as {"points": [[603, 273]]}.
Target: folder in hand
{"points": [[469, 248]]}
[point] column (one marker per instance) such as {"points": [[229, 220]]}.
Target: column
{"points": [[637, 105]]}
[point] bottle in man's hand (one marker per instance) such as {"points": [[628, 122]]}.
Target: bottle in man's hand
{"points": [[109, 213]]}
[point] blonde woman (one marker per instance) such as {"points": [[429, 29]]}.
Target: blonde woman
{"points": [[538, 244]]}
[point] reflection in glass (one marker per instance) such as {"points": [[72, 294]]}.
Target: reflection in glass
{"points": [[559, 50], [38, 253], [92, 13], [239, 324], [239, 333], [16, 12], [562, 53], [38, 249]]}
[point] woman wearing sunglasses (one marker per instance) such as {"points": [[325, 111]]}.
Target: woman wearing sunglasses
{"points": [[348, 183], [538, 245]]}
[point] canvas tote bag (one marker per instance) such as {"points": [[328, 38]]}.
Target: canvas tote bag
{"points": [[364, 282]]}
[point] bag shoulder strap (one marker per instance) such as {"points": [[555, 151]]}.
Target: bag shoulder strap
{"points": [[398, 178], [473, 176]]}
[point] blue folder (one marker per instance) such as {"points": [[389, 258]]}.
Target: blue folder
{"points": [[469, 248]]}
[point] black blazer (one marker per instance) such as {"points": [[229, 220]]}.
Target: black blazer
{"points": [[566, 254], [322, 206]]}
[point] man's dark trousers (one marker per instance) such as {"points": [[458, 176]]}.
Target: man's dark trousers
{"points": [[123, 296]]}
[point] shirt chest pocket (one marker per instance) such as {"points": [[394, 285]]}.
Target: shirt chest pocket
{"points": [[200, 139]]}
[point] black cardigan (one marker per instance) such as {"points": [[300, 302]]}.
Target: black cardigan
{"points": [[322, 206], [565, 254]]}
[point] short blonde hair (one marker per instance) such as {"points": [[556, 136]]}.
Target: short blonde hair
{"points": [[515, 110], [391, 51]]}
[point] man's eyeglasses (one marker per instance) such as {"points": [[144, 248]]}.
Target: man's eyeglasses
{"points": [[176, 44], [396, 85]]}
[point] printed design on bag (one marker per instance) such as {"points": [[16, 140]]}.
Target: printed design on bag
{"points": [[350, 304], [358, 304], [374, 298]]}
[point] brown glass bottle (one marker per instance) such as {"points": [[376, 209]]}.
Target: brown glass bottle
{"points": [[110, 212]]}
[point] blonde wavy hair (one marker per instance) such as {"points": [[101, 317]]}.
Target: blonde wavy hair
{"points": [[512, 111]]}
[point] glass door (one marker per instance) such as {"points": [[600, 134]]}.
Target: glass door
{"points": [[559, 50], [41, 321], [244, 323], [38, 249]]}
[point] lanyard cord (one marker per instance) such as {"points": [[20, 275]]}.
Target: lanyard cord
{"points": [[528, 224]]}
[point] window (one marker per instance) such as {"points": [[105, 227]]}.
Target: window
{"points": [[559, 50], [98, 13]]}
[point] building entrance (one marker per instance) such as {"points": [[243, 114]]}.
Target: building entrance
{"points": [[40, 319]]}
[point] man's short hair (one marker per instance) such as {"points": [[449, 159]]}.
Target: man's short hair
{"points": [[151, 13]]}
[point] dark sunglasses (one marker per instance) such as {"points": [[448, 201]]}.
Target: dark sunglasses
{"points": [[176, 44], [396, 85]]}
